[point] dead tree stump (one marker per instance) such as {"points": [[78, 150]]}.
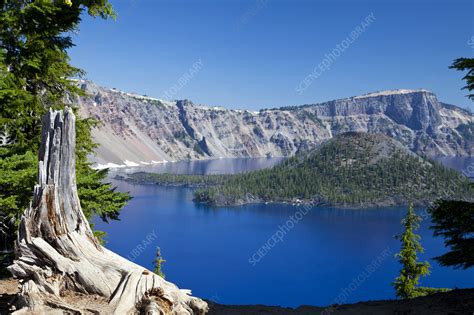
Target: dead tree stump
{"points": [[58, 259]]}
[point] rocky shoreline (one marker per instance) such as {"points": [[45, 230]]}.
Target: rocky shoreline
{"points": [[368, 206], [458, 301]]}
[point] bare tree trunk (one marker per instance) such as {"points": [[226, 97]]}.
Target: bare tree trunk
{"points": [[59, 262]]}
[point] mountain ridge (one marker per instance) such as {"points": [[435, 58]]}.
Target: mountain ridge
{"points": [[142, 130]]}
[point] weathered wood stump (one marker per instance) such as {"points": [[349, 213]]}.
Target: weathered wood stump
{"points": [[60, 263]]}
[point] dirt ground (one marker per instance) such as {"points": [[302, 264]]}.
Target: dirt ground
{"points": [[452, 303], [455, 302], [8, 289]]}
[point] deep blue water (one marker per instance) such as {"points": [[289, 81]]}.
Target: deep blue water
{"points": [[208, 250]]}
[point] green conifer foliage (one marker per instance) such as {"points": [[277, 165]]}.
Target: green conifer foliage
{"points": [[35, 75], [454, 220], [157, 263], [466, 64], [406, 284]]}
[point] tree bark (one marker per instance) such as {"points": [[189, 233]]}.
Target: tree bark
{"points": [[60, 263]]}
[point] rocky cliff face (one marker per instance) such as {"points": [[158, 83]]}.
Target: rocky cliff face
{"points": [[143, 130]]}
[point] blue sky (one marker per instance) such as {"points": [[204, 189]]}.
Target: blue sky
{"points": [[254, 54]]}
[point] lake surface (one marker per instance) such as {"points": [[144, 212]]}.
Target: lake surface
{"points": [[321, 255], [207, 167]]}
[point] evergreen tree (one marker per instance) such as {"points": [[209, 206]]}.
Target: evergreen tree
{"points": [[463, 64], [406, 284], [157, 263], [454, 219], [35, 75]]}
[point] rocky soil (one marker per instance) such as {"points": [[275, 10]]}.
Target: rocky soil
{"points": [[454, 302], [140, 130]]}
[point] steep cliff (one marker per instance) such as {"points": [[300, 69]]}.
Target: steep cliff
{"points": [[138, 129]]}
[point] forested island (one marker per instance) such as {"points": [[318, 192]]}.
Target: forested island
{"points": [[353, 170]]}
